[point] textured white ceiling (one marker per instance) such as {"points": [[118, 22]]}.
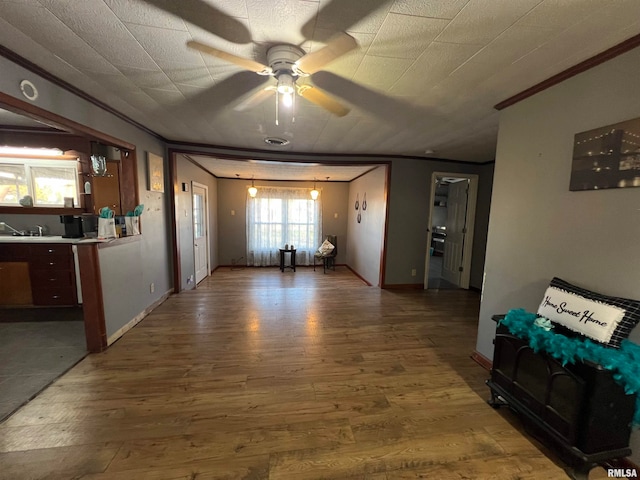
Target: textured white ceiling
{"points": [[425, 75]]}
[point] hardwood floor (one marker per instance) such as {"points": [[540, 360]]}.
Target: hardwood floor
{"points": [[260, 374]]}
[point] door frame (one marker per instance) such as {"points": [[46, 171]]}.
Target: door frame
{"points": [[207, 230], [470, 221]]}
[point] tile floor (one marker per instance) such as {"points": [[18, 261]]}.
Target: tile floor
{"points": [[34, 354]]}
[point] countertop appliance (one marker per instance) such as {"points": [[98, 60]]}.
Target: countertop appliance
{"points": [[72, 226]]}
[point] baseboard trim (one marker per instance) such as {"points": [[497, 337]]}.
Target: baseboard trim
{"points": [[239, 267], [137, 319], [481, 360]]}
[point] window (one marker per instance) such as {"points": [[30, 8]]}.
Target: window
{"points": [[48, 181], [279, 216]]}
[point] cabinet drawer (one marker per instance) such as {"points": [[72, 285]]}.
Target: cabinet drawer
{"points": [[50, 249], [54, 296], [52, 277], [51, 262], [10, 252]]}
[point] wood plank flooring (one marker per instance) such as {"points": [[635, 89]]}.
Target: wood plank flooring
{"points": [[260, 374]]}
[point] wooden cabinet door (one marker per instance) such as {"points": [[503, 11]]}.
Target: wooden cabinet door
{"points": [[106, 190], [15, 284]]}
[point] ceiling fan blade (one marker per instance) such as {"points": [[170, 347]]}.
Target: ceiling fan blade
{"points": [[207, 17], [245, 63], [211, 101], [255, 99], [341, 15], [337, 46], [317, 96], [390, 109]]}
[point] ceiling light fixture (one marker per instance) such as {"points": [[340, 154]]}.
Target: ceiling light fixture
{"points": [[285, 89], [314, 192], [253, 191]]}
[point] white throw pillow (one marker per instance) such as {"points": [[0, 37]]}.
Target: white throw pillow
{"points": [[591, 318], [326, 248]]}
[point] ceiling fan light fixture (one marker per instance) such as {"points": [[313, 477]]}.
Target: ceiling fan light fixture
{"points": [[285, 84], [253, 191], [287, 100]]}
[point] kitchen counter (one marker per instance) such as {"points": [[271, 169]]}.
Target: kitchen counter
{"points": [[48, 239]]}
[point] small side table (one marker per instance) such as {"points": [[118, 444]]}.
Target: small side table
{"points": [[292, 264]]}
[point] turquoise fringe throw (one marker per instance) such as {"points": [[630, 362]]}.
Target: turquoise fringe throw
{"points": [[623, 362]]}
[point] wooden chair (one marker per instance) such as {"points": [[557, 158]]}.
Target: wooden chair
{"points": [[328, 258]]}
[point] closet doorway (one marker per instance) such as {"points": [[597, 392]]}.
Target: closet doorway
{"points": [[450, 233]]}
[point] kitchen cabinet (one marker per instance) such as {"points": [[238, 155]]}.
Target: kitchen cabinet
{"points": [[42, 274], [105, 191], [52, 273], [15, 284]]}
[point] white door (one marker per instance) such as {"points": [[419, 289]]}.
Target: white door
{"points": [[452, 260], [200, 232]]}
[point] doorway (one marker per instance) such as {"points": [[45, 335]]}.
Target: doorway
{"points": [[200, 231], [450, 233]]}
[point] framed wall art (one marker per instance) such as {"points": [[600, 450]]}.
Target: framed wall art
{"points": [[155, 169], [607, 157]]}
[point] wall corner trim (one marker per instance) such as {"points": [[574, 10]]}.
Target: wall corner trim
{"points": [[583, 66]]}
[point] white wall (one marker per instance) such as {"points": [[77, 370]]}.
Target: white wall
{"points": [[232, 196], [538, 229], [364, 240]]}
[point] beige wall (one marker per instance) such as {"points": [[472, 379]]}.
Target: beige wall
{"points": [[365, 240], [538, 229], [408, 209], [232, 195]]}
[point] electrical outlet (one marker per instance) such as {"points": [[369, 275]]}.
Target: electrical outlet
{"points": [[335, 215], [413, 272], [152, 287]]}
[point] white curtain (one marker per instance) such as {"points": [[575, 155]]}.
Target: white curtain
{"points": [[279, 216]]}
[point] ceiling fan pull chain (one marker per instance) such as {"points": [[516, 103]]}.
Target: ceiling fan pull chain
{"points": [[293, 108]]}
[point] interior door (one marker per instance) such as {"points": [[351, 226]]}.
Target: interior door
{"points": [[200, 232], [456, 230]]}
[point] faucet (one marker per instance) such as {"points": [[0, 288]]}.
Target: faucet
{"points": [[6, 225], [40, 230]]}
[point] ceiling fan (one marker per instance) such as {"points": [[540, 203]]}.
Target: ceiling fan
{"points": [[286, 64]]}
